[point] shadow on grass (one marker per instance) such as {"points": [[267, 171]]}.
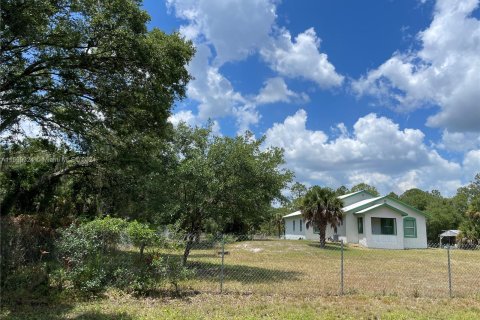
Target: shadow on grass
{"points": [[241, 273], [60, 312], [95, 315], [329, 246]]}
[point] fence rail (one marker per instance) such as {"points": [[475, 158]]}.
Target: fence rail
{"points": [[302, 268]]}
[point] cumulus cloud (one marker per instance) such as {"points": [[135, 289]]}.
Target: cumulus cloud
{"points": [[301, 58], [236, 28], [459, 141], [445, 72], [231, 30], [377, 151], [276, 90]]}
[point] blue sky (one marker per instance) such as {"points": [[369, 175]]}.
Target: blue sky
{"points": [[385, 93]]}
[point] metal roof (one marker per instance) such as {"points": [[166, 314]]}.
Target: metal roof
{"points": [[294, 214], [450, 233], [359, 204], [353, 193]]}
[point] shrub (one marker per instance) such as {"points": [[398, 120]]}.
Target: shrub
{"points": [[141, 235], [109, 232], [172, 270], [27, 284]]}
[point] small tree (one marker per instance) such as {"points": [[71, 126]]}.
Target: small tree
{"points": [[141, 235], [320, 208]]}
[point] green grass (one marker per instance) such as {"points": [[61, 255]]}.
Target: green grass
{"points": [[297, 280]]}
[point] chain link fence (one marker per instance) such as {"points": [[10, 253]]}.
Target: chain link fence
{"points": [[268, 266]]}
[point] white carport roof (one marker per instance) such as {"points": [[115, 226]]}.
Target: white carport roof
{"points": [[450, 233]]}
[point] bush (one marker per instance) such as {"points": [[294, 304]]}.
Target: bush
{"points": [[141, 235], [173, 270], [91, 262], [27, 284]]}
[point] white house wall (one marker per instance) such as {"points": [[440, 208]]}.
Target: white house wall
{"points": [[294, 234], [380, 240], [420, 241], [306, 233], [351, 228]]}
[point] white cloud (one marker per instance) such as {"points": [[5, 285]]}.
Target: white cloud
{"points": [[192, 120], [215, 94], [301, 58], [231, 30], [236, 28], [276, 90], [377, 152], [444, 72], [471, 163], [186, 116]]}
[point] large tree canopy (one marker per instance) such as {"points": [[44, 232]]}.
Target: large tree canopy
{"points": [[87, 69], [100, 87]]}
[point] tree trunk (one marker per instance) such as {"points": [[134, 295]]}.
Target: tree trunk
{"points": [[322, 232], [188, 247], [142, 247]]}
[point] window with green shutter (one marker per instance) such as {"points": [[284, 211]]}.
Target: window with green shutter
{"points": [[360, 224], [388, 226], [384, 226], [409, 227]]}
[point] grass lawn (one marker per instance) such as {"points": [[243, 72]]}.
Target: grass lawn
{"points": [[298, 280]]}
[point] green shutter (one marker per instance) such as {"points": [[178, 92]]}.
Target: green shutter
{"points": [[409, 227], [360, 224]]}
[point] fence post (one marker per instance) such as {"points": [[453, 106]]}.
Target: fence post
{"points": [[222, 267], [341, 267], [449, 272]]}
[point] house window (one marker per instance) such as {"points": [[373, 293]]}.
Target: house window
{"points": [[301, 224], [315, 229], [385, 226], [360, 224], [293, 225], [409, 227]]}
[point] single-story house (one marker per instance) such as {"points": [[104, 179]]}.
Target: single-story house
{"points": [[371, 221]]}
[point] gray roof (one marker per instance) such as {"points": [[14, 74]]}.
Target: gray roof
{"points": [[450, 233]]}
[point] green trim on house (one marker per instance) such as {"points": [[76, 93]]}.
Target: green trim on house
{"points": [[403, 213], [389, 198], [406, 205], [410, 219]]}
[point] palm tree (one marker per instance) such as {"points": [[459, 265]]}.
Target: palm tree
{"points": [[320, 208]]}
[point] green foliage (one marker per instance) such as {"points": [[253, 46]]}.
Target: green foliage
{"points": [[26, 284], [320, 208], [69, 65], [99, 85], [173, 270], [222, 182], [470, 228], [91, 262], [366, 187], [141, 235], [442, 213]]}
